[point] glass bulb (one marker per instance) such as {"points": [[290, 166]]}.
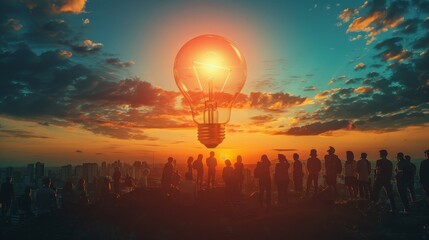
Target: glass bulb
{"points": [[210, 72]]}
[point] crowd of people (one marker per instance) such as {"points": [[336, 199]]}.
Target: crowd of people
{"points": [[357, 179]]}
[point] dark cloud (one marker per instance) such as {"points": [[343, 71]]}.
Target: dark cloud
{"points": [[78, 151], [317, 128], [20, 134], [410, 26], [310, 88], [117, 63], [393, 50], [422, 43], [261, 119], [284, 149]]}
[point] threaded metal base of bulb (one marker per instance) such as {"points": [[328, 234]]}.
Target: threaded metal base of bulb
{"points": [[211, 135]]}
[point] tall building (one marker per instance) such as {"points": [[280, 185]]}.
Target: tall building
{"points": [[30, 172], [40, 170], [90, 171], [66, 172], [78, 172]]}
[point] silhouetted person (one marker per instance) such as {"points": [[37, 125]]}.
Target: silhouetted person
{"points": [[188, 191], [383, 179], [199, 167], [45, 198], [189, 165], [262, 172], [363, 169], [211, 165], [229, 179], [281, 177], [25, 203], [167, 175], [116, 180], [350, 172], [69, 197], [403, 172], [313, 166], [82, 193], [7, 195], [333, 167], [298, 173], [412, 178], [239, 173], [424, 174]]}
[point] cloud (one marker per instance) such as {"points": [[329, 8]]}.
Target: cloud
{"points": [[284, 149], [276, 102], [20, 134], [360, 66], [261, 119], [347, 13], [310, 88], [117, 63], [380, 17], [65, 53], [78, 151], [87, 46], [71, 6], [393, 50], [85, 21], [317, 128]]}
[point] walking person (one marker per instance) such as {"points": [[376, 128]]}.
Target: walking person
{"points": [[281, 177], [383, 179], [314, 166], [363, 169]]}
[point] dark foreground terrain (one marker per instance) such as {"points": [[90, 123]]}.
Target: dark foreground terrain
{"points": [[147, 214]]}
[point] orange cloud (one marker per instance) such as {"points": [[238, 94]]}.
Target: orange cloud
{"points": [[347, 13], [72, 6], [363, 90], [65, 53]]}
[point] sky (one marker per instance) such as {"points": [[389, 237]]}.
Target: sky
{"points": [[91, 81]]}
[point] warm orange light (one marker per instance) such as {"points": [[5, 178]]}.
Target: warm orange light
{"points": [[210, 72]]}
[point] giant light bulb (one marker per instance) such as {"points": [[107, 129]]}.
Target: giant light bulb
{"points": [[210, 72]]}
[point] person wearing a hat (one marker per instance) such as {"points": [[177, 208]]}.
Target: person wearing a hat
{"points": [[333, 167], [424, 174], [383, 179]]}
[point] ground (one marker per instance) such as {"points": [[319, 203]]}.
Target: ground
{"points": [[148, 214]]}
